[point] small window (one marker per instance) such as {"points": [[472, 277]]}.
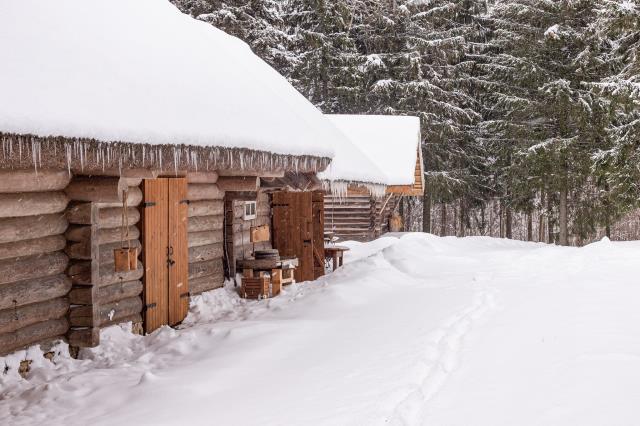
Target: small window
{"points": [[249, 210]]}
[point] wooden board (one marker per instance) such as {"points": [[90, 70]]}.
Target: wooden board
{"points": [[179, 252], [155, 237], [260, 233], [318, 233], [293, 230]]}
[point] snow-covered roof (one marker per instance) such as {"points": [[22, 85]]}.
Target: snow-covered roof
{"points": [[389, 142], [140, 71]]}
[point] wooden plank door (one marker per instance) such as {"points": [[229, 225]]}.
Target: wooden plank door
{"points": [[155, 238], [178, 261], [318, 233], [165, 252], [293, 230]]}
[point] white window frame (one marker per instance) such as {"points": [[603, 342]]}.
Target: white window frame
{"points": [[250, 210]]}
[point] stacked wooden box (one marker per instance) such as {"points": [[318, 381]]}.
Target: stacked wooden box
{"points": [[206, 222], [101, 296], [33, 287]]}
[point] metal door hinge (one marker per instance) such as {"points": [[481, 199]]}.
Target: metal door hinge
{"points": [[149, 306], [149, 203]]}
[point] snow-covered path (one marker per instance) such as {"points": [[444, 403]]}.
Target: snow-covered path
{"points": [[417, 330]]}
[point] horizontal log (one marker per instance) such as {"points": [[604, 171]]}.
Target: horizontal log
{"points": [[111, 293], [208, 252], [27, 228], [13, 319], [29, 267], [206, 208], [202, 177], [201, 269], [238, 183], [84, 337], [83, 315], [32, 203], [108, 274], [80, 233], [110, 217], [103, 190], [32, 334], [242, 238], [80, 274], [206, 283], [35, 290], [205, 223], [30, 247], [204, 238], [12, 181], [135, 319], [204, 191], [82, 250]]}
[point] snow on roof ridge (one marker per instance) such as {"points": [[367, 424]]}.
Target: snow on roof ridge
{"points": [[142, 72], [390, 142]]}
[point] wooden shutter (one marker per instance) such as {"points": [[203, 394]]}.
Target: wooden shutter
{"points": [[155, 228], [178, 251]]}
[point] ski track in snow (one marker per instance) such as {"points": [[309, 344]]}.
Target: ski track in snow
{"points": [[442, 356]]}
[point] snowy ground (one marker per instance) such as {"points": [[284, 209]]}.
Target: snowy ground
{"points": [[418, 330]]}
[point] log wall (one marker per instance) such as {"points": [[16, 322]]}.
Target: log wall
{"points": [[33, 286], [206, 222], [100, 296], [238, 231]]}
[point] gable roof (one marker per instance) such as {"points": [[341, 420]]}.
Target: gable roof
{"points": [[142, 72], [391, 143]]}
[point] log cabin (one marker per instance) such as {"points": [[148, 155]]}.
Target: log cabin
{"points": [[160, 135], [361, 198]]}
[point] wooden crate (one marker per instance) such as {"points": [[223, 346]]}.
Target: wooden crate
{"points": [[256, 287]]}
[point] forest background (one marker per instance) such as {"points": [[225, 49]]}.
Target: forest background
{"points": [[530, 109]]}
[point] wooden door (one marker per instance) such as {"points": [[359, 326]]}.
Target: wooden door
{"points": [[318, 233], [293, 230], [165, 252], [178, 262]]}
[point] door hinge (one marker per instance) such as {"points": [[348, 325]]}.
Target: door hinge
{"points": [[187, 202], [149, 306], [187, 294], [149, 203]]}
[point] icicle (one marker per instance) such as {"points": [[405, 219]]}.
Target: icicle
{"points": [[68, 152]]}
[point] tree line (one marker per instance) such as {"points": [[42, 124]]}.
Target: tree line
{"points": [[529, 108]]}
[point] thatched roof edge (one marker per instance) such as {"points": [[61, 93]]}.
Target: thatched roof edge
{"points": [[83, 155]]}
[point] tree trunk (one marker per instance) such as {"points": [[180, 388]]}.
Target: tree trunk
{"points": [[462, 217], [501, 216], [508, 223], [550, 222], [541, 219], [443, 220], [530, 226], [564, 234], [426, 212]]}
